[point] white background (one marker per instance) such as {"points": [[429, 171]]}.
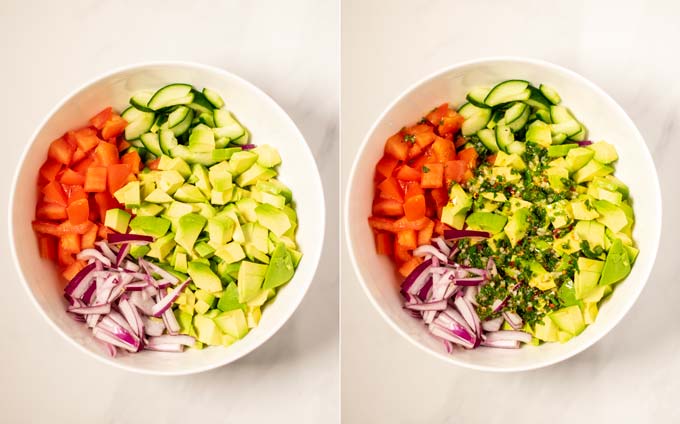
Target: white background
{"points": [[289, 50], [627, 48]]}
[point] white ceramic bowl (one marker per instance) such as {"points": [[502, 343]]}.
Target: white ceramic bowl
{"points": [[266, 121], [605, 120]]}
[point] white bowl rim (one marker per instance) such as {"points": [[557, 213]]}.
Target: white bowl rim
{"points": [[144, 64], [441, 355]]}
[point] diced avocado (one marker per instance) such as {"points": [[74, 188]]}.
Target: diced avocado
{"points": [[275, 187], [220, 230], [567, 244], [256, 235], [221, 197], [169, 181], [280, 269], [158, 196], [179, 209], [546, 330], [229, 299], [617, 265], [202, 139], [591, 170], [569, 319], [592, 232], [612, 183], [201, 307], [161, 247], [190, 194], [189, 302], [585, 281], [188, 230], [601, 193], [563, 336], [611, 215], [253, 316], [203, 277], [139, 250], [181, 264], [262, 297], [117, 219], [567, 294], [459, 201], [207, 331], [276, 200], [494, 196], [514, 161], [129, 194], [205, 296], [559, 213], [206, 210], [230, 252], [555, 177], [632, 252], [267, 156], [246, 207], [560, 150], [220, 177], [589, 313], [184, 319], [486, 221], [539, 133], [517, 226], [541, 279], [233, 323], [204, 250], [254, 174], [149, 209], [273, 219], [240, 161], [253, 253], [174, 164], [150, 225], [250, 278], [578, 157], [201, 179], [604, 152], [582, 211], [506, 173]]}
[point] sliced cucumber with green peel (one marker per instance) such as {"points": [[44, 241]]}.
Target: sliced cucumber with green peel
{"points": [[559, 138], [167, 140], [477, 95], [550, 94], [537, 99], [140, 100], [177, 116], [207, 119], [496, 117], [183, 126], [139, 122], [226, 125], [517, 147], [467, 110], [581, 135], [243, 139], [544, 115], [476, 122], [514, 112], [171, 95], [508, 91], [200, 104], [504, 137], [520, 122], [488, 138], [151, 143], [214, 98], [568, 128]]}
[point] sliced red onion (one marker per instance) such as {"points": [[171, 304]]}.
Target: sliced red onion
{"points": [[451, 318], [128, 238], [498, 304], [438, 305], [131, 314], [166, 347], [153, 326], [460, 337], [167, 339], [492, 324], [519, 336], [491, 267], [454, 234], [417, 278], [248, 147], [469, 281], [502, 344], [87, 310], [513, 319], [142, 301], [136, 286], [167, 300], [73, 287], [428, 249], [170, 322], [108, 337], [448, 346], [584, 143], [130, 266], [116, 328], [471, 294], [442, 246], [165, 275], [469, 314], [122, 253]]}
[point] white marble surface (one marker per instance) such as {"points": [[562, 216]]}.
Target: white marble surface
{"points": [[290, 51], [630, 376]]}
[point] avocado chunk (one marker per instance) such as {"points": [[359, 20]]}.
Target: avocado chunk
{"points": [[569, 319], [486, 221], [230, 252], [280, 269], [539, 133], [240, 161], [207, 331], [220, 230], [583, 211], [616, 265], [578, 157], [611, 215], [148, 209], [589, 312], [117, 219], [546, 330], [541, 279], [250, 278], [202, 139], [174, 164], [267, 156], [254, 174], [203, 277], [189, 194], [604, 152], [161, 247], [188, 229], [585, 280], [150, 225], [591, 170], [517, 226], [229, 299], [273, 219], [220, 177], [158, 196], [233, 323], [129, 194], [169, 181]]}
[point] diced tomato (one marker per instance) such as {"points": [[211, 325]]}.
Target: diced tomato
{"points": [[75, 192], [407, 267], [103, 232], [440, 227], [383, 243], [381, 224], [388, 207], [132, 159], [100, 119], [468, 175], [70, 242], [78, 155], [50, 211], [412, 189], [407, 239], [406, 173], [414, 151], [404, 224], [61, 151], [64, 257], [50, 169], [153, 164], [401, 254], [444, 150], [414, 207], [454, 170], [440, 197], [78, 211], [67, 228], [386, 166], [397, 147], [73, 269], [117, 176], [105, 154], [54, 193], [71, 177], [425, 235], [48, 247], [460, 141], [88, 239], [105, 201], [436, 115], [450, 123], [95, 179], [86, 139], [469, 155], [123, 144], [113, 127], [390, 189], [433, 176], [82, 166]]}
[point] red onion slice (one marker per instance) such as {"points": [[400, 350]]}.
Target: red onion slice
{"points": [[167, 339], [128, 238], [159, 308]]}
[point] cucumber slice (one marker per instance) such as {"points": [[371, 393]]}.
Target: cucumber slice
{"points": [[183, 126], [243, 139], [468, 109], [581, 135], [200, 104], [568, 128], [151, 143], [550, 94], [214, 98], [477, 95], [559, 138], [221, 142], [508, 91], [537, 99], [514, 112], [488, 138], [207, 119], [476, 122], [167, 141], [139, 122], [544, 115], [170, 95], [496, 117], [203, 158], [140, 100], [539, 133], [504, 136], [177, 116], [226, 125], [560, 114], [517, 147], [520, 122], [136, 143]]}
